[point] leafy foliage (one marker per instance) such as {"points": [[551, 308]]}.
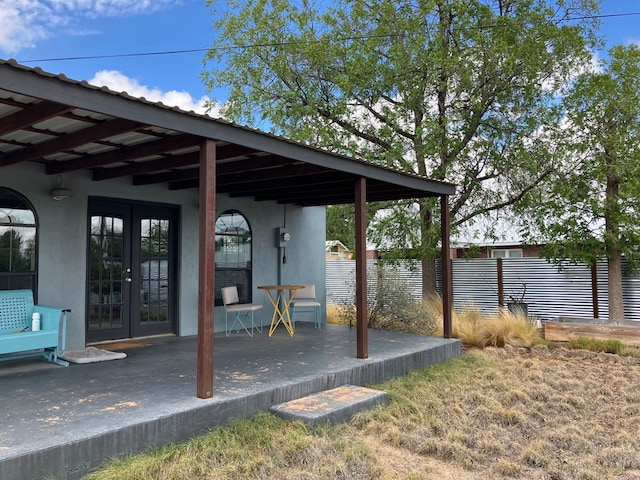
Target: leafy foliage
{"points": [[591, 208], [455, 90], [578, 216]]}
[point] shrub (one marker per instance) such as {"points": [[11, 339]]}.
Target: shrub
{"points": [[390, 306]]}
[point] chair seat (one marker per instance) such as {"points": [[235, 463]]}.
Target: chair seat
{"points": [[241, 312], [305, 303], [243, 306]]}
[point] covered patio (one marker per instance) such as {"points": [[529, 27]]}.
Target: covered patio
{"points": [[115, 144], [64, 422], [151, 161]]}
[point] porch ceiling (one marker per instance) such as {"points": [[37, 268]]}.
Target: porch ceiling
{"points": [[67, 126]]}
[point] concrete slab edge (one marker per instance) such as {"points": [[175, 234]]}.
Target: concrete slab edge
{"points": [[72, 460]]}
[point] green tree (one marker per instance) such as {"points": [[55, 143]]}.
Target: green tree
{"points": [[341, 223], [456, 90], [592, 208]]}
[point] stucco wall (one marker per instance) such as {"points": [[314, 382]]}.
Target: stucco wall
{"points": [[63, 229]]}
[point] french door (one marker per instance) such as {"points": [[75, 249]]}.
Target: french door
{"points": [[132, 270]]}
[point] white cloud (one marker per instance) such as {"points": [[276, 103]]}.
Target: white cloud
{"points": [[119, 82], [24, 23], [19, 24], [108, 8]]}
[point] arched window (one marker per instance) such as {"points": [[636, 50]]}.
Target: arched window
{"points": [[18, 242], [233, 255]]}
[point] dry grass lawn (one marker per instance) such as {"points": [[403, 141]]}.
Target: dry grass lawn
{"points": [[496, 413]]}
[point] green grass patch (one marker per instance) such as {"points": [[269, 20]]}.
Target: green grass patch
{"points": [[505, 412], [595, 345]]}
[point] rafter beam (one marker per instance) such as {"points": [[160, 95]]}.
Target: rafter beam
{"points": [[268, 174], [118, 155], [69, 141], [177, 175], [138, 168], [31, 115]]}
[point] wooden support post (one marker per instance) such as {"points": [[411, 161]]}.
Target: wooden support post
{"points": [[445, 254], [361, 268], [206, 268]]}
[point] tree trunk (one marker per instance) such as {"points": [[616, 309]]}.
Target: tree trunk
{"points": [[428, 278], [616, 302], [428, 262], [612, 238]]}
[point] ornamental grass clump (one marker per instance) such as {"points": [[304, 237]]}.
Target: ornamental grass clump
{"points": [[476, 329]]}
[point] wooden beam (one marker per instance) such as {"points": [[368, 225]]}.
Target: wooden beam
{"points": [[71, 140], [32, 114], [362, 341], [144, 167], [166, 162], [124, 154], [279, 184], [445, 255], [173, 175], [206, 269]]}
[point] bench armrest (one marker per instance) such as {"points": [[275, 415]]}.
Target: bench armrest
{"points": [[54, 318]]}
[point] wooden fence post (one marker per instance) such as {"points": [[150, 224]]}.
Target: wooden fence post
{"points": [[594, 290], [500, 282]]}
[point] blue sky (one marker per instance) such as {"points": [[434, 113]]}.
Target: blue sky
{"points": [[51, 29]]}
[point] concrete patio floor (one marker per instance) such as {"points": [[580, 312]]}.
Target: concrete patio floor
{"points": [[62, 422]]}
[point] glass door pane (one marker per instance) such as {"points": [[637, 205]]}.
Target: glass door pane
{"points": [[106, 260], [154, 271]]}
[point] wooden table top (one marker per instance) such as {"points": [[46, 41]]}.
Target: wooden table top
{"points": [[280, 287]]}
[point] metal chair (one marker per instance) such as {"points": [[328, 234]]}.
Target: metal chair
{"points": [[305, 301], [241, 312]]}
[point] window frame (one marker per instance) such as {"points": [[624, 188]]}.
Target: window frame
{"points": [[23, 203], [237, 275], [507, 252]]}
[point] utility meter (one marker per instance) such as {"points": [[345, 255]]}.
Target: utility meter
{"points": [[282, 237]]}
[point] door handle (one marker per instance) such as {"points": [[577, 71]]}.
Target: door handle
{"points": [[128, 280]]}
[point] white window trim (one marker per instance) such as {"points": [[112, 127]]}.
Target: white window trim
{"points": [[508, 252]]}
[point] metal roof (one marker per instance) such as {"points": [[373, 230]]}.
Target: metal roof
{"points": [[67, 125]]}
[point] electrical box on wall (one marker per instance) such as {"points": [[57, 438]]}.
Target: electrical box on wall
{"points": [[282, 237]]}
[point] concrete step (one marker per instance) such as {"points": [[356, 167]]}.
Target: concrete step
{"points": [[330, 406]]}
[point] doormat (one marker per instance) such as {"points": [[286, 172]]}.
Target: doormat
{"points": [[122, 345], [91, 355]]}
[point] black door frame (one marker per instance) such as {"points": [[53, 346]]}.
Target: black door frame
{"points": [[132, 212]]}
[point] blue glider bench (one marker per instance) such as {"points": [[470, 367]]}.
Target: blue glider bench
{"points": [[16, 338]]}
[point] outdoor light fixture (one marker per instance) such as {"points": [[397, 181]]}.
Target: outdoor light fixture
{"points": [[61, 192]]}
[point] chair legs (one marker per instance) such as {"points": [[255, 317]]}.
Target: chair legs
{"points": [[258, 326], [316, 315], [238, 323]]}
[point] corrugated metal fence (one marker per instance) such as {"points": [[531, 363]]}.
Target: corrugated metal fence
{"points": [[550, 292]]}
